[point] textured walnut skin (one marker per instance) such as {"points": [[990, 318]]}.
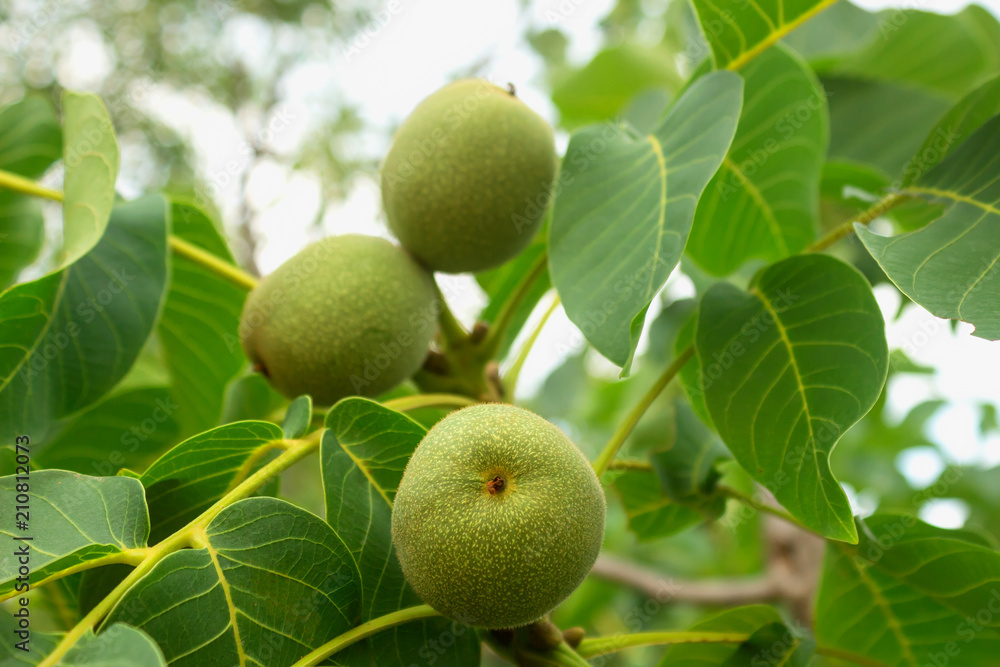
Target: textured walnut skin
{"points": [[497, 555], [347, 315], [468, 178]]}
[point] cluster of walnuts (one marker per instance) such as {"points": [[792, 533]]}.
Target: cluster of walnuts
{"points": [[495, 499]]}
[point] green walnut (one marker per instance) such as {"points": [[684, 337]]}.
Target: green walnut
{"points": [[347, 315], [498, 517], [468, 178]]}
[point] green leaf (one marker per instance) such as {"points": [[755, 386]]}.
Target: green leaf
{"points": [[746, 620], [952, 266], [30, 137], [849, 188], [69, 337], [297, 417], [955, 127], [840, 31], [90, 156], [72, 519], [363, 455], [622, 218], [738, 31], [128, 428], [30, 141], [501, 283], [268, 583], [763, 202], [601, 89], [250, 397], [687, 470], [788, 367], [911, 594], [880, 123], [690, 375], [651, 512], [189, 478], [774, 645], [947, 54], [117, 646], [201, 317]]}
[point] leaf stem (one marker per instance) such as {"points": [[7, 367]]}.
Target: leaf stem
{"points": [[591, 648], [630, 464], [296, 452], [234, 274], [500, 324], [452, 331], [27, 186], [848, 656], [407, 403], [626, 427], [104, 607], [180, 246], [842, 230], [510, 380], [127, 557], [364, 630], [749, 501], [183, 537]]}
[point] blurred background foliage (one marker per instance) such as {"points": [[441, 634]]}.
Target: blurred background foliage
{"points": [[885, 92]]}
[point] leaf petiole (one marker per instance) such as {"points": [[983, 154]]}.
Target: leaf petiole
{"points": [[626, 427], [180, 246], [186, 536], [354, 635]]}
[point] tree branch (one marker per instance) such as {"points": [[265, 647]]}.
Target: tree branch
{"points": [[715, 592]]}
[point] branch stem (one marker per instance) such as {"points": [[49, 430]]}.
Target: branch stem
{"points": [[749, 501], [845, 229], [849, 656], [126, 557], [234, 274], [183, 537], [591, 648], [452, 331], [180, 246], [407, 403], [626, 427], [27, 186], [364, 630], [499, 326], [510, 380]]}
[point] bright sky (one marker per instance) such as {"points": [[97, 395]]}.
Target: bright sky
{"points": [[414, 48]]}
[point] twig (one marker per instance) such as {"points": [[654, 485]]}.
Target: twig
{"points": [[623, 431], [714, 592], [864, 218], [510, 379], [500, 324], [354, 635]]}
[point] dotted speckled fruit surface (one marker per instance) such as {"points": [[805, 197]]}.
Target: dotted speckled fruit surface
{"points": [[468, 178], [498, 517], [347, 315]]}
